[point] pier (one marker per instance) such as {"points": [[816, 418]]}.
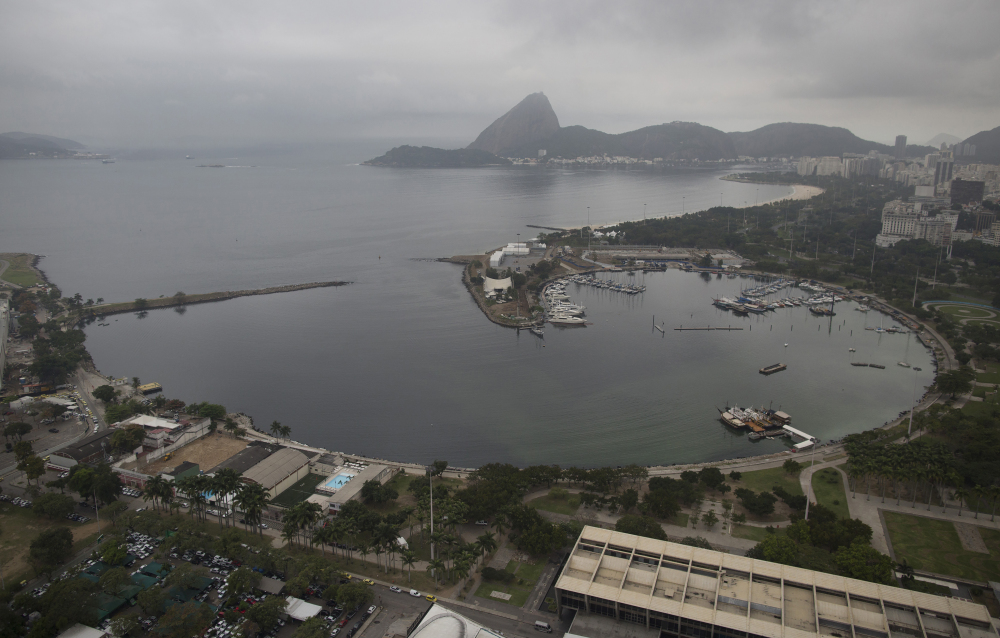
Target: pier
{"points": [[727, 328]]}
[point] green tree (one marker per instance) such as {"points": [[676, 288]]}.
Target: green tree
{"points": [[33, 467], [151, 600], [105, 393], [113, 580], [710, 519], [16, 430], [22, 450], [712, 477], [242, 581], [123, 625], [50, 549], [864, 562], [315, 627], [956, 382], [185, 620], [267, 613], [352, 595], [213, 411], [114, 553], [792, 466], [640, 526], [776, 549], [140, 303], [53, 505]]}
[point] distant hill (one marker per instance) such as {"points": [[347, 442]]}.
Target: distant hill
{"points": [[24, 145], [58, 141], [676, 140], [528, 123], [814, 140], [987, 147], [429, 157], [943, 138]]}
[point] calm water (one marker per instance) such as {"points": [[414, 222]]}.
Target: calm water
{"points": [[401, 364]]}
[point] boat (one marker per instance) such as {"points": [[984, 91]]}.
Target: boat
{"points": [[538, 332], [730, 420], [821, 312], [875, 365], [851, 350], [566, 320], [859, 365], [917, 369], [771, 369], [903, 364], [108, 161]]}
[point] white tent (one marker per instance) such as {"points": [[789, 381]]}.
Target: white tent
{"points": [[300, 609], [489, 285]]}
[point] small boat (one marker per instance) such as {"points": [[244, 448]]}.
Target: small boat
{"points": [[917, 369], [851, 350], [566, 320], [535, 330], [108, 161], [903, 364], [771, 369], [875, 365]]}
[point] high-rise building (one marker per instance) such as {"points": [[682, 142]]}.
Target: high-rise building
{"points": [[900, 147], [943, 169], [967, 191]]}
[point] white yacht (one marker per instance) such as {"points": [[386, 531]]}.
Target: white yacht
{"points": [[566, 320]]}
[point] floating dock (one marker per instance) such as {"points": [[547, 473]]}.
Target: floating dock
{"points": [[150, 388], [709, 328], [777, 367]]}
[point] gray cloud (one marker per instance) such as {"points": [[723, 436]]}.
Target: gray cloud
{"points": [[144, 73]]}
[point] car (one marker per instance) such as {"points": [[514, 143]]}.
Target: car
{"points": [[336, 630], [415, 593], [431, 597], [371, 610], [368, 581], [53, 430], [395, 589], [484, 523]]}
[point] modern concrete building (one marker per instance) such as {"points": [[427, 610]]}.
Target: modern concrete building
{"points": [[4, 329], [967, 191], [246, 458], [350, 489], [900, 147], [663, 589]]}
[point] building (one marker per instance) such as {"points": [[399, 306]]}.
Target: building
{"points": [[441, 622], [182, 471], [935, 230], [944, 168], [966, 191], [900, 147], [246, 458], [675, 590], [89, 449], [83, 631], [278, 471], [350, 489]]}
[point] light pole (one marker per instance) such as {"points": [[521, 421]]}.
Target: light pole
{"points": [[430, 475], [913, 406], [812, 458]]}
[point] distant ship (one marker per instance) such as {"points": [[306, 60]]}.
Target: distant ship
{"points": [[108, 161], [188, 157]]}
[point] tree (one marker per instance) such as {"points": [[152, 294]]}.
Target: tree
{"points": [[792, 466], [640, 526], [409, 559], [151, 600], [276, 428], [267, 613], [16, 430], [140, 303], [53, 505], [105, 393], [710, 519], [22, 450], [956, 382], [712, 477], [33, 467], [113, 580], [124, 624], [213, 411], [353, 595], [864, 562], [185, 620], [242, 581], [50, 549], [697, 541], [776, 549], [439, 467], [315, 627], [114, 552]]}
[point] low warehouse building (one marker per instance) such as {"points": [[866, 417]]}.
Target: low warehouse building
{"points": [[278, 471]]}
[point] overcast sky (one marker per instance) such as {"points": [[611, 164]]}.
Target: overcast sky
{"points": [[136, 73]]}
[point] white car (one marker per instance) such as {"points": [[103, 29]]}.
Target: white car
{"points": [[415, 593], [395, 589]]}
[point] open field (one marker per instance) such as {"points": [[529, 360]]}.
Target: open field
{"points": [[568, 505], [300, 491], [207, 452], [526, 573], [828, 491], [21, 526], [20, 272], [980, 408], [992, 374], [965, 312], [766, 480], [933, 545], [752, 533]]}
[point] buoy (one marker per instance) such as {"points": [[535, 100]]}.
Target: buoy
{"points": [[786, 345]]}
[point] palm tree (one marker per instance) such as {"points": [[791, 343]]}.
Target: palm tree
{"points": [[275, 428], [961, 494], [854, 473], [409, 559], [226, 484], [487, 542], [231, 426], [252, 498], [436, 566], [364, 549], [500, 523], [321, 536], [154, 490], [286, 430], [994, 492], [978, 491]]}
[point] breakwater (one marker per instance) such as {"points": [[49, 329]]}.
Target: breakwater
{"points": [[140, 305]]}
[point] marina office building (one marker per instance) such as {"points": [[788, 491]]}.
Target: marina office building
{"points": [[663, 589]]}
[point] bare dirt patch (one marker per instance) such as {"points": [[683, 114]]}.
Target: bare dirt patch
{"points": [[970, 538], [207, 452]]}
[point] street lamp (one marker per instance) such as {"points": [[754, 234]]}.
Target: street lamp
{"points": [[430, 476]]}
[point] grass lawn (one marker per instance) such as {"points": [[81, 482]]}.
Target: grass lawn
{"points": [[300, 491], [421, 580], [828, 490], [765, 480], [980, 408], [680, 519], [965, 312], [519, 590], [933, 545], [567, 505], [992, 374], [20, 271], [752, 533]]}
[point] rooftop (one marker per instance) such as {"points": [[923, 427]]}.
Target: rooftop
{"points": [[756, 596], [352, 487], [246, 458], [276, 467]]}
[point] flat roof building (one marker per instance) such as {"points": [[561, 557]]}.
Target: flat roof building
{"points": [[351, 490], [247, 457], [676, 591], [87, 450]]}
